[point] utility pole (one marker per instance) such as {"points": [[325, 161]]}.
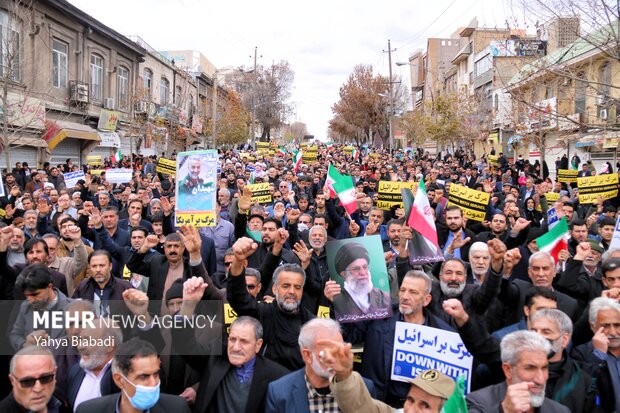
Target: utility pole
{"points": [[391, 139], [214, 108], [253, 120]]}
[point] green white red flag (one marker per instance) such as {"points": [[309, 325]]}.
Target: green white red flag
{"points": [[281, 151], [298, 161], [555, 240], [424, 247], [117, 157], [342, 185]]}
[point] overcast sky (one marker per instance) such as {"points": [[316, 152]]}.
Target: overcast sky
{"points": [[322, 40]]}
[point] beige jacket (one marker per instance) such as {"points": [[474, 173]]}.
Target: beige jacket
{"points": [[352, 396], [72, 267]]}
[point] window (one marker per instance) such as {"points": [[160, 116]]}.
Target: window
{"points": [[123, 88], [483, 65], [147, 83], [496, 101], [96, 77], [164, 91], [10, 30], [604, 78], [60, 53], [177, 96], [581, 86]]}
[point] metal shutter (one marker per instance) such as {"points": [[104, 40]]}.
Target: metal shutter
{"points": [[103, 152], [67, 149], [21, 154]]}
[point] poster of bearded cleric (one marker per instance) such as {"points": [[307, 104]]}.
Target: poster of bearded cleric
{"points": [[196, 188], [358, 265]]}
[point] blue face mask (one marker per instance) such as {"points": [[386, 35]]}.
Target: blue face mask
{"points": [[145, 397]]}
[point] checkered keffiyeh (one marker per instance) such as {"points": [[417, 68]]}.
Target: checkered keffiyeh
{"points": [[320, 403]]}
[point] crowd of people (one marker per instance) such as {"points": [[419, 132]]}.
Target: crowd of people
{"points": [[544, 335]]}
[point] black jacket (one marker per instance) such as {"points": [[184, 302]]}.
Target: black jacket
{"points": [[214, 368], [167, 403], [281, 328], [585, 356]]}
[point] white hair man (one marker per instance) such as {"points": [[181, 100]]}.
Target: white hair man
{"points": [[526, 367], [308, 389], [601, 356], [479, 260]]}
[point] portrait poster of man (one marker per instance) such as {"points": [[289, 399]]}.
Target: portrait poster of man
{"points": [[196, 188], [358, 265]]}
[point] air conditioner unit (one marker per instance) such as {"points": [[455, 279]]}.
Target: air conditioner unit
{"points": [[108, 103], [78, 92], [141, 107], [600, 100], [602, 114]]}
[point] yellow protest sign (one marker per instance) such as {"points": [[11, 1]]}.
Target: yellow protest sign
{"points": [[96, 172], [473, 203], [375, 156], [262, 146], [94, 160], [229, 316], [166, 166], [309, 154], [2, 213], [552, 196], [492, 159], [206, 219], [591, 187], [567, 175], [260, 193], [389, 193], [126, 273], [348, 150], [323, 312]]}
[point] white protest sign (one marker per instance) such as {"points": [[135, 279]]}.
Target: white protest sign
{"points": [[71, 178], [118, 176], [615, 240], [418, 348]]}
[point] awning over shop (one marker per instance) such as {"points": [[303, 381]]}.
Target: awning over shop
{"points": [[109, 139], [23, 139], [63, 129]]}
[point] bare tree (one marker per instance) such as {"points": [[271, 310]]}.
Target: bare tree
{"points": [[265, 91]]}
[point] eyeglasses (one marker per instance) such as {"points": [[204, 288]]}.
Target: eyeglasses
{"points": [[227, 264], [251, 286], [29, 382]]}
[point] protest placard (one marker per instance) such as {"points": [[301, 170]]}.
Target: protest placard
{"points": [[358, 265], [71, 178], [196, 188], [389, 193], [567, 175], [418, 348], [310, 154], [591, 187], [166, 166], [260, 193], [118, 176], [493, 161], [473, 203], [94, 160]]}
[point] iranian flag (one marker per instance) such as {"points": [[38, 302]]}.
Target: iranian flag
{"points": [[342, 185], [281, 151], [424, 247], [117, 157], [555, 240], [298, 157], [355, 153]]}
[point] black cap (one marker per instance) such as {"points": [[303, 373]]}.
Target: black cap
{"points": [[175, 290], [349, 253]]}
